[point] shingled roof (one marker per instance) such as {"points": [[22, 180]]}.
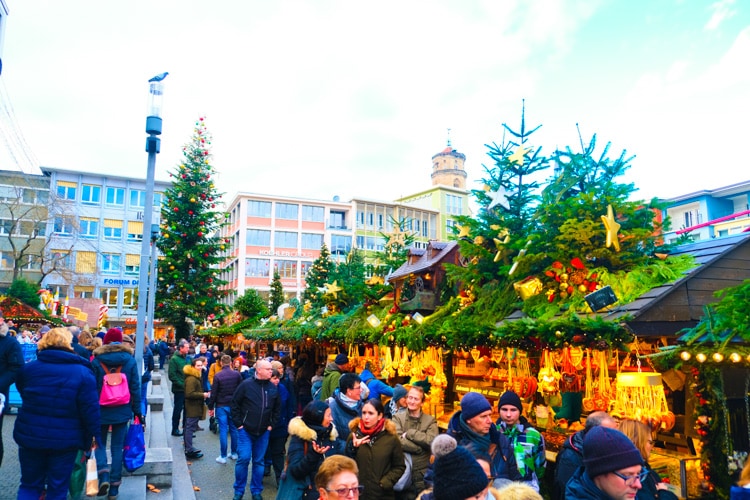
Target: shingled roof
{"points": [[420, 260]]}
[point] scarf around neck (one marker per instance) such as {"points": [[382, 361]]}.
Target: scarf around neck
{"points": [[482, 442], [373, 430]]}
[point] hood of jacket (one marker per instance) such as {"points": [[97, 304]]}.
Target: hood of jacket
{"points": [[389, 427], [191, 370], [61, 357], [575, 443], [366, 376], [114, 347], [298, 427], [331, 367]]}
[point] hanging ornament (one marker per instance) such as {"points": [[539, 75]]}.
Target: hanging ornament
{"points": [[528, 287], [332, 289], [518, 156], [463, 231], [499, 197], [611, 227]]}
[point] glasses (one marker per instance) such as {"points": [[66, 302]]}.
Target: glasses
{"points": [[630, 480], [358, 388], [342, 492]]}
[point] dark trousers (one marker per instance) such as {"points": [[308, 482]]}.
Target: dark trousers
{"points": [[275, 455], [178, 409], [45, 468]]}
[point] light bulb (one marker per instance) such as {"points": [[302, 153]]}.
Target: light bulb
{"points": [[736, 358], [718, 357], [684, 355], [700, 357]]}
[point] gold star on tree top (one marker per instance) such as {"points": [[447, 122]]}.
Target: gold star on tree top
{"points": [[396, 237], [333, 289]]}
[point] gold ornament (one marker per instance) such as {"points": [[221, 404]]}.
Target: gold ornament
{"points": [[463, 231], [518, 156], [332, 289], [611, 226], [528, 287]]}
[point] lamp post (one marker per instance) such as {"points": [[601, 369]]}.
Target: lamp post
{"points": [[153, 143]]}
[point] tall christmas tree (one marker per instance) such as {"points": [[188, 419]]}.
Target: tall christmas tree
{"points": [[317, 276], [189, 289], [277, 292]]}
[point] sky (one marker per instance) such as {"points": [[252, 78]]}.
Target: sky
{"points": [[329, 98]]}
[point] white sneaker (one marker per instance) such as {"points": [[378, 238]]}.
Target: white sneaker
{"points": [[233, 456], [221, 460]]}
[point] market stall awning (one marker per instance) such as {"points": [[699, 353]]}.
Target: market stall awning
{"points": [[16, 310]]}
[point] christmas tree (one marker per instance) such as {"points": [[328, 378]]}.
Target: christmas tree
{"points": [[277, 292], [189, 289], [317, 276], [348, 275]]}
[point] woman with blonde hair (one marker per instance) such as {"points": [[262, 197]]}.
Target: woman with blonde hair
{"points": [[643, 439], [59, 416], [337, 478]]}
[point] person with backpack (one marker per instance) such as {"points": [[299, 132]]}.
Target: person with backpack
{"points": [[376, 386], [119, 385]]}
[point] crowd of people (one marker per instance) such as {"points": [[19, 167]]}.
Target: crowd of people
{"points": [[321, 431]]}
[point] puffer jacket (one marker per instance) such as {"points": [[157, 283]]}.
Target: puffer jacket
{"points": [[567, 463], [380, 462], [416, 435], [60, 408], [255, 406], [303, 461], [114, 355], [581, 487], [193, 392]]}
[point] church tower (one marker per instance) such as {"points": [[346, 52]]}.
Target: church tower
{"points": [[448, 168]]}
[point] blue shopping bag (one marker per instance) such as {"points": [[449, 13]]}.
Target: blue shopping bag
{"points": [[134, 451]]}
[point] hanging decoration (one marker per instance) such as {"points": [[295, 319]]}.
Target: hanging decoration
{"points": [[612, 227]]}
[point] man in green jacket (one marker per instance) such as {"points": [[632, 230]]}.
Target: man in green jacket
{"points": [[332, 374], [177, 377]]}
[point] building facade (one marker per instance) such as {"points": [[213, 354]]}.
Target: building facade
{"points": [[95, 232], [710, 213]]}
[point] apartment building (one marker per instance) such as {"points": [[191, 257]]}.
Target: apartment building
{"points": [[95, 232]]}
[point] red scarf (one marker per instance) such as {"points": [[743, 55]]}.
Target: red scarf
{"points": [[373, 430]]}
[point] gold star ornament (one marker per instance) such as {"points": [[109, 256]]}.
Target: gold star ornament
{"points": [[519, 155], [333, 289], [611, 227], [463, 231]]}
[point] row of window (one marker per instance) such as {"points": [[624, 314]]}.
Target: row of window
{"points": [[91, 194], [88, 227], [292, 239], [291, 211], [261, 268], [14, 194], [22, 227], [109, 263]]}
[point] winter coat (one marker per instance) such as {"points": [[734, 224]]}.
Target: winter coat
{"points": [[176, 375], [567, 463], [163, 349], [331, 376], [380, 462], [420, 431], [649, 490], [223, 386], [739, 493], [503, 458], [343, 414], [79, 349], [528, 445], [582, 487], [303, 461], [285, 415], [148, 365], [215, 368], [377, 387], [255, 406], [114, 355], [193, 392], [11, 360], [60, 402]]}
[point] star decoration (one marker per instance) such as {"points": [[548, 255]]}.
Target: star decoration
{"points": [[611, 226], [500, 244], [499, 197], [395, 238], [515, 264], [463, 231], [518, 156], [333, 289]]}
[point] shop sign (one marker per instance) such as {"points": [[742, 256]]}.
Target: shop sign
{"points": [[118, 281], [489, 392]]}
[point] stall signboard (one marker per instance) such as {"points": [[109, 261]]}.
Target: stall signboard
{"points": [[488, 392]]}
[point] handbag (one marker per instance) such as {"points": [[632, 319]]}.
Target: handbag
{"points": [[405, 479], [78, 476], [134, 450], [213, 425], [92, 477]]}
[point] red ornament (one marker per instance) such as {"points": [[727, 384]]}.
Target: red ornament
{"points": [[205, 254], [176, 209], [203, 223], [184, 176], [210, 280], [190, 212], [200, 234]]}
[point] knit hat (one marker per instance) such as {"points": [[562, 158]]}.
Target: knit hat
{"points": [[314, 412], [607, 450], [399, 392], [457, 472], [472, 404], [510, 398], [341, 359], [44, 329], [127, 339], [113, 335]]}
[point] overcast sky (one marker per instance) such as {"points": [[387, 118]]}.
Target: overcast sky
{"points": [[319, 98]]}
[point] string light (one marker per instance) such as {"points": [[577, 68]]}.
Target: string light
{"points": [[684, 355], [718, 357], [700, 357], [736, 358]]}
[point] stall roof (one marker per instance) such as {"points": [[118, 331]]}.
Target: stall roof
{"points": [[436, 252], [667, 309], [16, 310]]}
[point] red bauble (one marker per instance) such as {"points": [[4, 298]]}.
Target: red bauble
{"points": [[205, 254], [210, 280], [203, 223], [190, 212], [161, 304], [200, 234], [176, 209], [184, 176]]}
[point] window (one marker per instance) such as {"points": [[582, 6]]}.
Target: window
{"points": [[42, 197], [135, 230], [360, 220], [112, 229], [115, 196], [340, 245], [41, 228], [27, 228], [137, 198], [258, 237], [449, 225], [111, 262], [109, 296], [257, 267], [285, 239], [61, 259], [312, 213], [132, 263], [380, 222], [158, 200], [89, 227], [453, 204], [28, 195], [304, 267], [32, 262], [85, 262], [286, 211], [6, 260], [337, 220], [63, 225], [7, 226], [130, 297], [66, 190], [286, 268], [259, 208], [83, 292], [370, 220], [91, 194], [312, 241]]}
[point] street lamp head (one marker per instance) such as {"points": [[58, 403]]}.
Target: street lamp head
{"points": [[155, 102], [159, 77]]}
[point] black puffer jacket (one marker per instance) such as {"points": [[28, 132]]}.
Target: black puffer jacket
{"points": [[255, 406]]}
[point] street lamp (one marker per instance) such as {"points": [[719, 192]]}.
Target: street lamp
{"points": [[153, 129]]}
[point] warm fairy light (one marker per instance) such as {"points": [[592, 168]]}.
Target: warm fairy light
{"points": [[684, 355], [700, 357], [318, 323], [736, 358], [418, 318], [718, 357]]}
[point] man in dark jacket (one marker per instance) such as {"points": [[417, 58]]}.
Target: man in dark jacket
{"points": [[472, 427], [570, 457], [77, 347], [225, 383], [177, 377], [163, 349], [255, 409], [11, 361]]}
